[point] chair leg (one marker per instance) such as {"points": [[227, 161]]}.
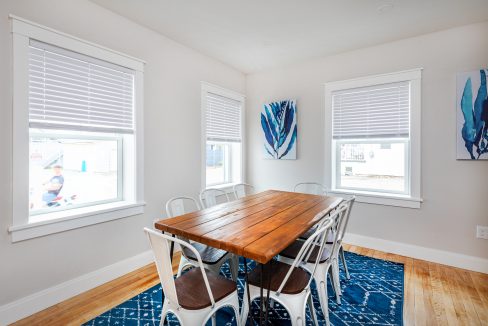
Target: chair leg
{"points": [[323, 299], [164, 312], [336, 281], [329, 275], [297, 310], [214, 320], [235, 307], [244, 308], [312, 310], [343, 259]]}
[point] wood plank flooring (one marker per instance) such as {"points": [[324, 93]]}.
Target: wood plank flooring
{"points": [[434, 294], [85, 306]]}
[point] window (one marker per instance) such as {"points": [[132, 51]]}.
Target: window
{"points": [[69, 170], [374, 139], [77, 120], [223, 125]]}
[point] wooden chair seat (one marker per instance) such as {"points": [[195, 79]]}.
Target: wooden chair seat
{"points": [[308, 234], [292, 251], [296, 283], [209, 254], [192, 293]]}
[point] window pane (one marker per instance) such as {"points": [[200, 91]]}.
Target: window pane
{"points": [[70, 172], [373, 166], [217, 165]]}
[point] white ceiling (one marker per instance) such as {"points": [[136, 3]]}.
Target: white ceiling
{"points": [[253, 35]]}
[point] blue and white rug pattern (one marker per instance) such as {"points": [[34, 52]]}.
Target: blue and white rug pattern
{"points": [[373, 296]]}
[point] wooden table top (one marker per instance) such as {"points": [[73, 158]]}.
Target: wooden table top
{"points": [[257, 226]]}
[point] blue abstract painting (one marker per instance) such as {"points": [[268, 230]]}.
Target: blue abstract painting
{"points": [[279, 123], [472, 115]]}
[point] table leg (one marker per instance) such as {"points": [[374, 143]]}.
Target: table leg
{"points": [[261, 297], [267, 294], [172, 248]]}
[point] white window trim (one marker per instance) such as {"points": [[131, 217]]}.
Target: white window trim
{"points": [[211, 88], [414, 199], [21, 229]]}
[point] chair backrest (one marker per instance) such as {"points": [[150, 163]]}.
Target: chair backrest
{"points": [[342, 225], [312, 188], [181, 205], [316, 240], [208, 197], [160, 244], [242, 190]]}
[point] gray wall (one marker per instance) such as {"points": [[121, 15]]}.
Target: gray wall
{"points": [[171, 133], [455, 192]]}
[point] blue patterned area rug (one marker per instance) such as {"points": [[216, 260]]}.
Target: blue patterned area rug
{"points": [[373, 296]]}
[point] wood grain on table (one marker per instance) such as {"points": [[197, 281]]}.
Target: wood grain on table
{"points": [[257, 226]]}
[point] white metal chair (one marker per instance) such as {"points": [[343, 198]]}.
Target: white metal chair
{"points": [[208, 197], [289, 285], [312, 188], [181, 205], [328, 262], [242, 190], [330, 239], [212, 258], [197, 295]]}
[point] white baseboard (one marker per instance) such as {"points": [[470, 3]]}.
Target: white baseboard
{"points": [[472, 263], [41, 300]]}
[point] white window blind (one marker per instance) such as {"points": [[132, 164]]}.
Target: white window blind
{"points": [[223, 118], [380, 111], [71, 91]]}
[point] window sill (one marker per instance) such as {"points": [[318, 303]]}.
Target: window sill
{"points": [[76, 218], [381, 198]]}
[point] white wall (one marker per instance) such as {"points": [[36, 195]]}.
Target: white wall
{"points": [[454, 192], [172, 142]]}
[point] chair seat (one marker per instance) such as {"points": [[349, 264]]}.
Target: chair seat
{"points": [[308, 234], [192, 293], [292, 251], [208, 254], [296, 283]]}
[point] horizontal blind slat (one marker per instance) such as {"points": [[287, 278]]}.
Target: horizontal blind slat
{"points": [[372, 112], [35, 95], [73, 91], [223, 118]]}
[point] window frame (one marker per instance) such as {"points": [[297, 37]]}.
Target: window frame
{"points": [[336, 184], [211, 88], [133, 203], [227, 155], [64, 134], [410, 199]]}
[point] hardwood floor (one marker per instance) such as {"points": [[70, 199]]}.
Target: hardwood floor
{"points": [[87, 305], [434, 294]]}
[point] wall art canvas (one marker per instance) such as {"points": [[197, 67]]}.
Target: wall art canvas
{"points": [[472, 115], [279, 124]]}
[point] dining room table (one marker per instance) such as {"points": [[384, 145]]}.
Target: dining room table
{"points": [[256, 227]]}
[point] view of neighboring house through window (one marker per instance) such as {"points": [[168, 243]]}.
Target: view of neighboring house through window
{"points": [[81, 121], [371, 137], [223, 137]]}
